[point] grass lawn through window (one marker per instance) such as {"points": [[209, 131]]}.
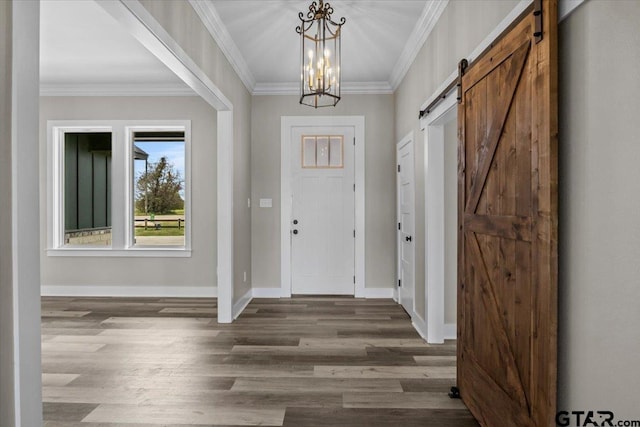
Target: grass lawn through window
{"points": [[162, 229]]}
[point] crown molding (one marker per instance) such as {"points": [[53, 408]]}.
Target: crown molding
{"points": [[115, 89], [427, 21], [348, 88], [367, 88], [290, 88], [430, 16], [211, 20]]}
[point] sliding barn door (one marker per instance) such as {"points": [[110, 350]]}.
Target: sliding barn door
{"points": [[508, 227]]}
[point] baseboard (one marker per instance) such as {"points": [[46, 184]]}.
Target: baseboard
{"points": [[129, 291], [367, 293], [267, 292], [450, 331], [378, 293], [241, 304], [419, 325]]}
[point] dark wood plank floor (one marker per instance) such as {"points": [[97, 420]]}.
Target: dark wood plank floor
{"points": [[321, 361]]}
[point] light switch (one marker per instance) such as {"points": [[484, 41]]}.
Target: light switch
{"points": [[266, 203]]}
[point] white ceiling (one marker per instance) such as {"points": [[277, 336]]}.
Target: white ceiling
{"points": [[82, 46], [373, 37]]}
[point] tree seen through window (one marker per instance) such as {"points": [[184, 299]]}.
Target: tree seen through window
{"points": [[159, 170]]}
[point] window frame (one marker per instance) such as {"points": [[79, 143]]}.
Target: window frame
{"points": [[122, 175], [130, 196]]}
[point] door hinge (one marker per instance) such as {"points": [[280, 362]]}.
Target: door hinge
{"points": [[354, 141], [354, 187], [398, 168], [537, 14], [399, 283], [354, 280], [354, 233], [399, 228]]}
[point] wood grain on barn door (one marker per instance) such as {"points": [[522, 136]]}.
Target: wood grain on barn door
{"points": [[507, 213]]}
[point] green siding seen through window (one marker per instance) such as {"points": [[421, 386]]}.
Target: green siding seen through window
{"points": [[87, 175]]}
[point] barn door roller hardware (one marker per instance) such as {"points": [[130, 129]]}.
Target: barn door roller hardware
{"points": [[462, 68], [438, 100], [456, 82], [537, 13], [464, 64]]}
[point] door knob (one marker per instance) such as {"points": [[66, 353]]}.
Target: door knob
{"points": [[408, 238], [295, 221], [295, 231]]}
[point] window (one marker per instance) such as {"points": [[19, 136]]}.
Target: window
{"points": [[119, 187], [322, 151], [87, 189], [158, 183]]}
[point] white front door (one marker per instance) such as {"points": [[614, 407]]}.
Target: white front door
{"points": [[323, 210], [406, 213]]}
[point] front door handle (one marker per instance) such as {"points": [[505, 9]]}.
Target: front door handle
{"points": [[408, 238], [295, 231]]}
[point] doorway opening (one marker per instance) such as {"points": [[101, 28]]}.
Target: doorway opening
{"points": [[440, 163]]}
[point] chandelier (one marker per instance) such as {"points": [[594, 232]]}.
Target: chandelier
{"points": [[320, 56]]}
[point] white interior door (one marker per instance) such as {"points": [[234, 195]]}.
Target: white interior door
{"points": [[406, 215], [323, 211]]}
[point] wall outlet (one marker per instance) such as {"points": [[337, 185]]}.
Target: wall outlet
{"points": [[244, 274]]}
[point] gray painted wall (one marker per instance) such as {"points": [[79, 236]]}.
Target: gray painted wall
{"points": [[179, 19], [200, 268], [599, 313], [379, 182], [6, 280], [462, 26]]}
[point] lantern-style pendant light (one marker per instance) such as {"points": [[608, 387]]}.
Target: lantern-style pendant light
{"points": [[320, 56]]}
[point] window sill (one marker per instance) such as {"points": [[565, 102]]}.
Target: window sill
{"points": [[148, 252]]}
